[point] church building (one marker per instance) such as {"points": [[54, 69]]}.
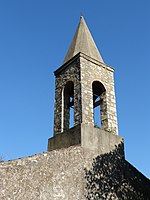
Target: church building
{"points": [[85, 158]]}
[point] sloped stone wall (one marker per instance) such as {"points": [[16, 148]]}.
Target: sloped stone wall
{"points": [[112, 177], [55, 175], [72, 174]]}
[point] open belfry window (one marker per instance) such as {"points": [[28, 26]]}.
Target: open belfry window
{"points": [[68, 106], [99, 106]]}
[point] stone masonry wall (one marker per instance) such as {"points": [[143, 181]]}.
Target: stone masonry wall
{"points": [[55, 175], [113, 178], [91, 71], [72, 174]]}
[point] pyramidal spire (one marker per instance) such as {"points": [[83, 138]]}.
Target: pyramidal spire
{"points": [[83, 42]]}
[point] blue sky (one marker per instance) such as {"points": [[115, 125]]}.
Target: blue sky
{"points": [[34, 38]]}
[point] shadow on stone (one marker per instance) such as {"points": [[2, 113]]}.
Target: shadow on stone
{"points": [[112, 177]]}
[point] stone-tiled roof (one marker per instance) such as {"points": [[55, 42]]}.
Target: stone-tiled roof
{"points": [[83, 42]]}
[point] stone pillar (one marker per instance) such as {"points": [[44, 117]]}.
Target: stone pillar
{"points": [[69, 72], [92, 70]]}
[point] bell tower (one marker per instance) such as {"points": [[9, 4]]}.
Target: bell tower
{"points": [[83, 83]]}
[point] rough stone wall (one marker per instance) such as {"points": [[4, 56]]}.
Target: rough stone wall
{"points": [[113, 178], [92, 70], [70, 73], [73, 174], [55, 175]]}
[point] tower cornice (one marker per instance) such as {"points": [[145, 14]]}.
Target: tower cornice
{"points": [[79, 55]]}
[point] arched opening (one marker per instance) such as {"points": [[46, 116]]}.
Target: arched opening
{"points": [[68, 108], [99, 106]]}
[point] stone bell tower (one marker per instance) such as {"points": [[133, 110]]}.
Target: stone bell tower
{"points": [[84, 82], [85, 161]]}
